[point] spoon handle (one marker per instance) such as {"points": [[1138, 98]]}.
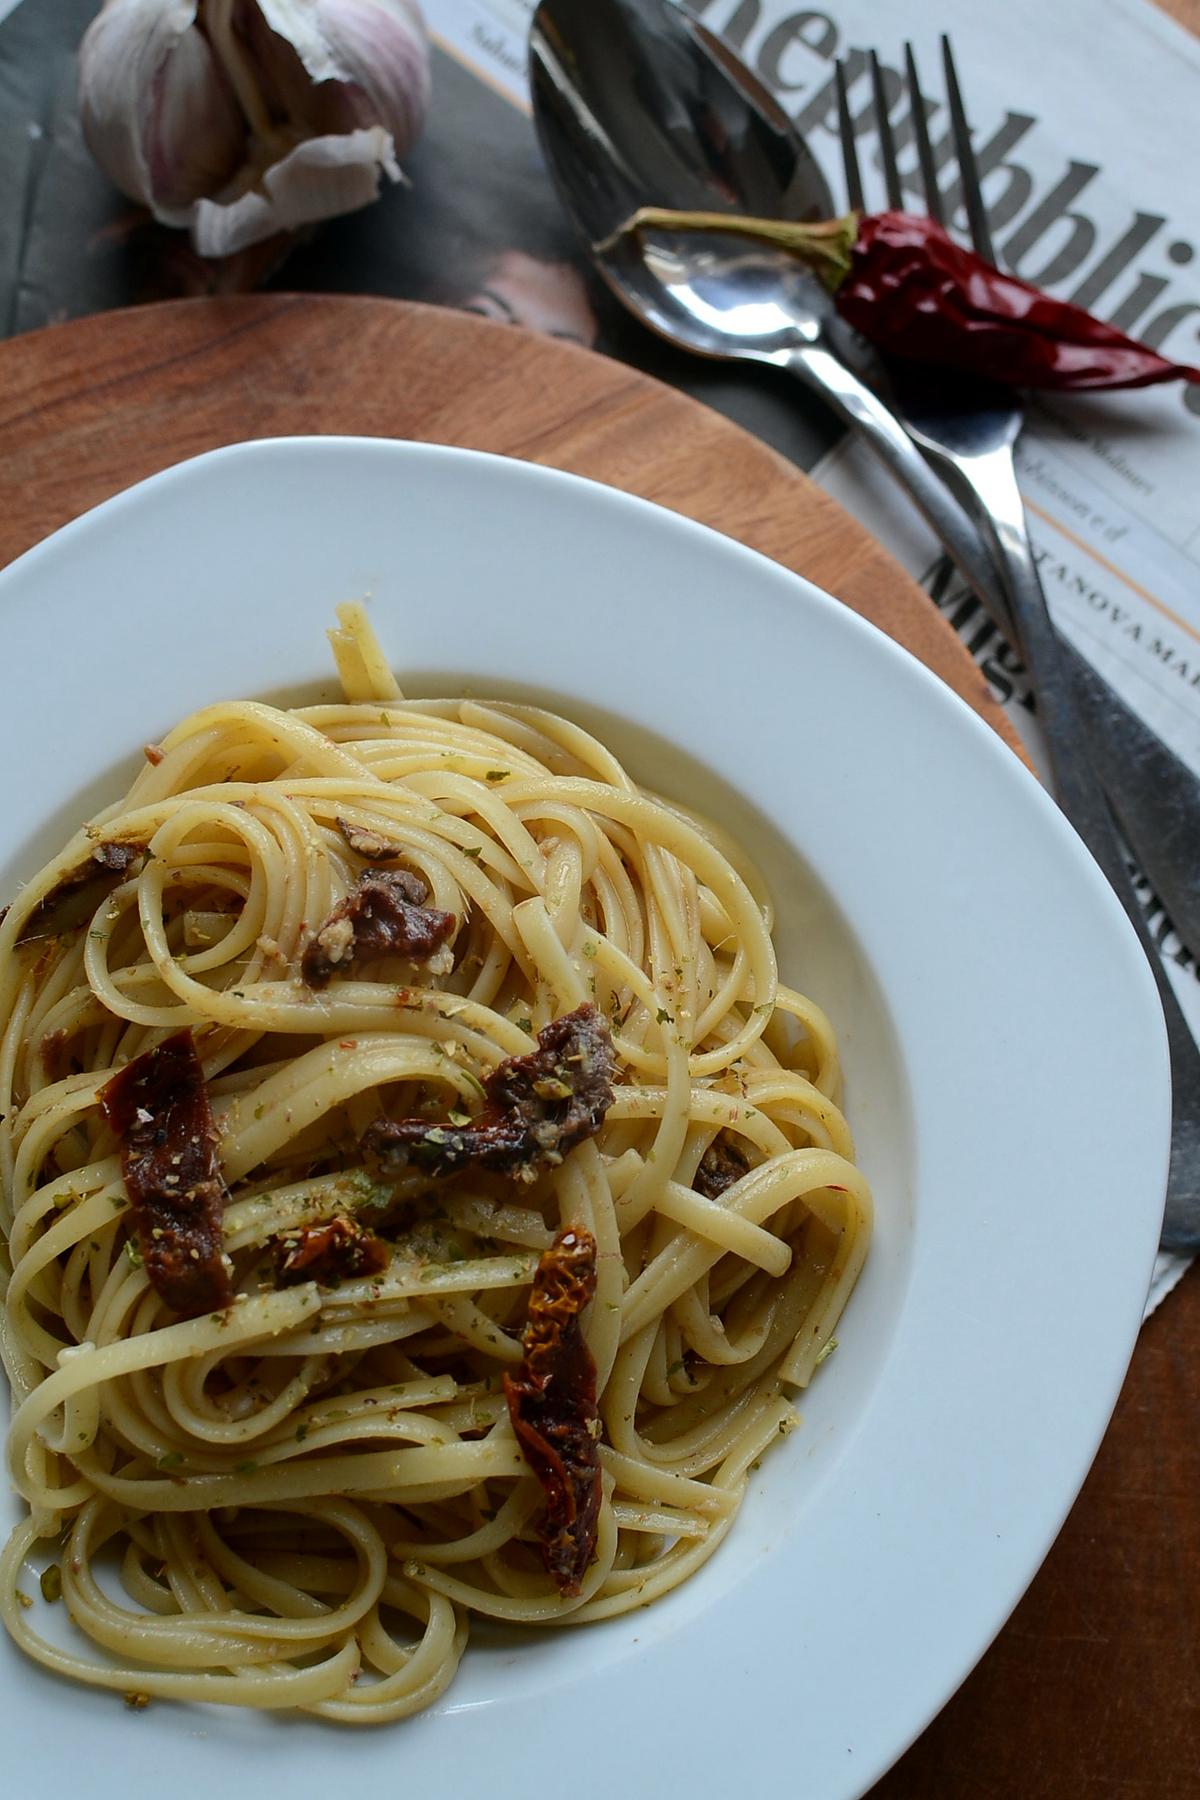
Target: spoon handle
{"points": [[854, 401]]}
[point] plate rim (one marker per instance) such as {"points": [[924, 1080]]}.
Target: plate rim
{"points": [[63, 542]]}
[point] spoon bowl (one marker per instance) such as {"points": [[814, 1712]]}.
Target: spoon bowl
{"points": [[637, 104]]}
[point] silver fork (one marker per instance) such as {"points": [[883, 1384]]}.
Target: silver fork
{"points": [[967, 429]]}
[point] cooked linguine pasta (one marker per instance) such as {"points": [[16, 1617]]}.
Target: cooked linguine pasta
{"points": [[303, 1497]]}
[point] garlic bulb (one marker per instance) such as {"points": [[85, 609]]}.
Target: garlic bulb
{"points": [[241, 118]]}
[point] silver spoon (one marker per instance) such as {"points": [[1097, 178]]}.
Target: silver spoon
{"points": [[637, 104]]}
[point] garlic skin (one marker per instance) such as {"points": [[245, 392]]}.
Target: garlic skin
{"points": [[238, 119], [149, 82]]}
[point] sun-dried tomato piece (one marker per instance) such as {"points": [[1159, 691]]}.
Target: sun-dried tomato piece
{"points": [[384, 914], [76, 895], [159, 1108], [552, 1405], [538, 1107], [335, 1250], [721, 1165]]}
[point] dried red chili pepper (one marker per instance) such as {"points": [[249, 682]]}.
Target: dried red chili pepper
{"points": [[903, 282], [912, 291], [552, 1405]]}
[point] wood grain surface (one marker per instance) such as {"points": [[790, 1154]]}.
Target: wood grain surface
{"points": [[1092, 1691], [88, 408], [1187, 12]]}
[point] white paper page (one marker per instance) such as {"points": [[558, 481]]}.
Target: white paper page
{"points": [[488, 35]]}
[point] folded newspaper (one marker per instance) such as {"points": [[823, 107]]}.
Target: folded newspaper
{"points": [[1088, 164], [1091, 196]]}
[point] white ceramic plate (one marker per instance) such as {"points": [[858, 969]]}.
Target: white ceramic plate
{"points": [[1007, 1081]]}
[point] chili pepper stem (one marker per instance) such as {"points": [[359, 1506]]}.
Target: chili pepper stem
{"points": [[824, 245]]}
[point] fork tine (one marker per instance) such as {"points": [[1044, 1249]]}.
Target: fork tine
{"points": [[887, 144], [854, 186], [916, 100], [977, 219]]}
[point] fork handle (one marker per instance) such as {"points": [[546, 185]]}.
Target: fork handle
{"points": [[879, 427], [1154, 796], [1082, 799]]}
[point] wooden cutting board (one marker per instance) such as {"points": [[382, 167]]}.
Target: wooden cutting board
{"points": [[88, 408]]}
